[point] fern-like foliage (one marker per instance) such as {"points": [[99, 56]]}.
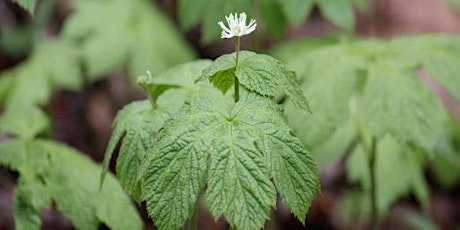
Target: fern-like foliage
{"points": [[275, 13], [241, 153], [117, 33], [370, 90]]}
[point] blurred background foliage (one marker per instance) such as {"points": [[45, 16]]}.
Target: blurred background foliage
{"points": [[382, 78]]}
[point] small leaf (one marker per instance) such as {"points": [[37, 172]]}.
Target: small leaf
{"points": [[257, 72], [153, 90]]}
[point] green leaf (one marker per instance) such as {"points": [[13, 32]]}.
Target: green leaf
{"points": [[182, 77], [13, 154], [340, 12], [53, 65], [25, 122], [296, 11], [392, 161], [48, 169], [209, 13], [235, 149], [396, 101], [28, 5], [136, 125], [380, 75], [273, 17], [115, 33], [257, 72], [446, 162], [374, 87]]}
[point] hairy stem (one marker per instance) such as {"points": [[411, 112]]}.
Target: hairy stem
{"points": [[237, 83]]}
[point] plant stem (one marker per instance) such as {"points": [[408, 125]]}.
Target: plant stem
{"points": [[193, 221], [373, 194], [237, 83]]}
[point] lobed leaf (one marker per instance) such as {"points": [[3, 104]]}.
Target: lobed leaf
{"points": [[373, 90], [235, 149]]}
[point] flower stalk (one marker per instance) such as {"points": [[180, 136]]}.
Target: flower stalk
{"points": [[237, 28], [236, 81]]}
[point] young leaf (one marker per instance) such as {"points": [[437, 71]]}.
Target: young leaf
{"points": [[235, 149], [116, 32], [49, 169], [257, 72]]}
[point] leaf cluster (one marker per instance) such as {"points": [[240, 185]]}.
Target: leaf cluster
{"points": [[49, 171], [373, 91], [241, 153]]}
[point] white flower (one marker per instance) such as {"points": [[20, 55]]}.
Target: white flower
{"points": [[237, 26]]}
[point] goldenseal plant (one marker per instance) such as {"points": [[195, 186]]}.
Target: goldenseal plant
{"points": [[191, 140]]}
